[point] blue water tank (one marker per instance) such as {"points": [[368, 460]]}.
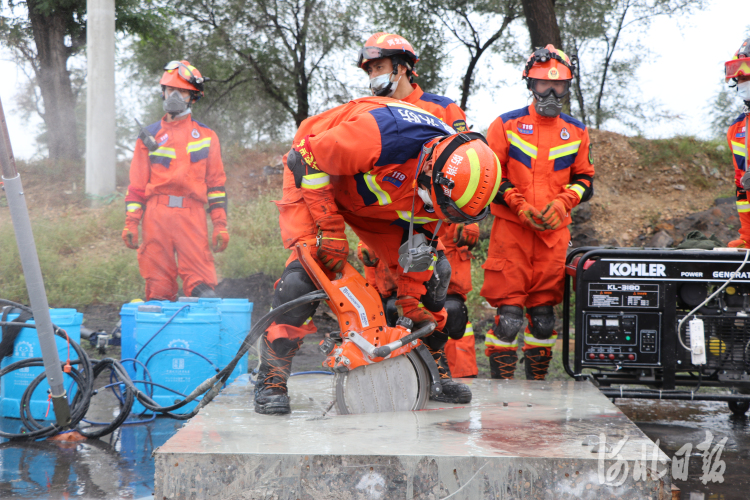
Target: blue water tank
{"points": [[200, 337], [13, 385], [127, 331]]}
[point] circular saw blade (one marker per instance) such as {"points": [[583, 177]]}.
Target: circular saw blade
{"points": [[397, 384]]}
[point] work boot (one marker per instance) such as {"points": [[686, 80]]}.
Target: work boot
{"points": [[537, 362], [271, 397], [503, 364], [453, 392], [203, 290]]}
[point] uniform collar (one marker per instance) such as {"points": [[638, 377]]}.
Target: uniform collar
{"points": [[541, 120], [415, 95], [176, 124]]}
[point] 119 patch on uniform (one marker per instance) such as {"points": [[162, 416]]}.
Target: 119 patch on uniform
{"points": [[396, 178], [526, 128]]}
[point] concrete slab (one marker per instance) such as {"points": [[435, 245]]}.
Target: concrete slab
{"points": [[516, 440]]}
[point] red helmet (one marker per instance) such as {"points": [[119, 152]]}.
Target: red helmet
{"points": [[740, 63], [548, 63], [382, 45], [181, 75], [465, 177]]}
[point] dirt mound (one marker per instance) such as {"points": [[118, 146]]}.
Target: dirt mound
{"points": [[641, 184]]}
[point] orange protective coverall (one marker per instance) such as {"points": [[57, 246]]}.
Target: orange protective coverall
{"points": [[187, 165], [544, 158], [737, 140], [369, 148]]}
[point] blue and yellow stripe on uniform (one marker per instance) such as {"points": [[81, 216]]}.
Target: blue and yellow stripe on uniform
{"points": [[564, 155], [162, 156], [372, 185], [315, 181], [406, 216], [217, 198], [521, 150], [199, 150], [740, 154]]}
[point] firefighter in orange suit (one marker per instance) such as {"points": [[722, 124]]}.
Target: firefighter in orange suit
{"points": [[440, 176], [176, 170], [737, 70], [547, 170], [389, 61]]}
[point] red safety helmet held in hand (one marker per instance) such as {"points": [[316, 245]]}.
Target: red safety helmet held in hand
{"points": [[466, 175], [739, 65], [181, 75], [382, 45]]}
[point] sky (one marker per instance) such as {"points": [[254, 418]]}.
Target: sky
{"points": [[684, 76]]}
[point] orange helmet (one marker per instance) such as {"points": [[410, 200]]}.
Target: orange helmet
{"points": [[382, 45], [181, 75], [740, 63], [548, 63], [465, 176]]}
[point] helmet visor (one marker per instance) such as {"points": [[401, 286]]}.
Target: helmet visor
{"points": [[543, 88], [185, 73], [370, 53], [737, 67], [458, 216]]}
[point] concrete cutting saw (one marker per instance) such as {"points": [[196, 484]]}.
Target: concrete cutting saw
{"points": [[377, 368]]}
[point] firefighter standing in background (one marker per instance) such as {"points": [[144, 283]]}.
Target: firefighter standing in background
{"points": [[389, 61], [170, 183], [738, 71], [446, 176], [547, 170]]}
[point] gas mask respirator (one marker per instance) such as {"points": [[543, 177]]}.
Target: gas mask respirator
{"points": [[549, 106], [175, 105]]}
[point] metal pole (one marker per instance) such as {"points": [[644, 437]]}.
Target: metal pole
{"points": [[19, 214], [100, 98]]}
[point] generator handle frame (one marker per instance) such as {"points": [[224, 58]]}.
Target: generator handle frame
{"points": [[566, 310]]}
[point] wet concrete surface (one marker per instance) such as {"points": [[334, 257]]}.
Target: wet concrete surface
{"points": [[516, 439], [679, 423]]}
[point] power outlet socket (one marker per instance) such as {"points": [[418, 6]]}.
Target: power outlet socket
{"points": [[697, 341]]}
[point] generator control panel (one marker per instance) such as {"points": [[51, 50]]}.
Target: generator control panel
{"points": [[622, 324]]}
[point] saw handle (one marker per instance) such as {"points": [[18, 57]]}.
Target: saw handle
{"points": [[383, 351]]}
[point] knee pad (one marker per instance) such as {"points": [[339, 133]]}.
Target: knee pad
{"points": [[391, 311], [437, 286], [294, 283], [458, 316], [542, 322], [509, 323]]}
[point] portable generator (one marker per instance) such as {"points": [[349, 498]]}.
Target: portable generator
{"points": [[629, 303]]}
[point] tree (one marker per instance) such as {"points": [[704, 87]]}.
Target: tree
{"points": [[542, 23], [477, 25], [289, 51], [44, 35], [595, 32]]}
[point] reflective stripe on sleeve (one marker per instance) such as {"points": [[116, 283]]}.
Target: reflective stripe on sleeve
{"points": [[315, 181], [564, 150]]}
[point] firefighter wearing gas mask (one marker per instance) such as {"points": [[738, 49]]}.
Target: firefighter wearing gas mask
{"points": [[547, 170], [175, 173], [389, 61], [737, 72], [393, 173]]}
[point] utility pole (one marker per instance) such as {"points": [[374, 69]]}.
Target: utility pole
{"points": [[100, 98]]}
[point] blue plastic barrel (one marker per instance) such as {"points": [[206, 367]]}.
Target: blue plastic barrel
{"points": [[127, 331], [13, 385]]}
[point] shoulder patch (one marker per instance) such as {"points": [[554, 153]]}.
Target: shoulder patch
{"points": [[512, 115], [440, 100], [460, 126], [572, 121], [154, 128]]}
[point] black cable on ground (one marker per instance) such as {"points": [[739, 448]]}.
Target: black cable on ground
{"points": [[84, 371]]}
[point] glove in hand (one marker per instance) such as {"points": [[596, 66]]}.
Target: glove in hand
{"points": [[526, 212], [220, 236], [409, 307], [466, 235], [130, 233], [367, 256], [333, 247], [554, 214], [737, 244]]}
